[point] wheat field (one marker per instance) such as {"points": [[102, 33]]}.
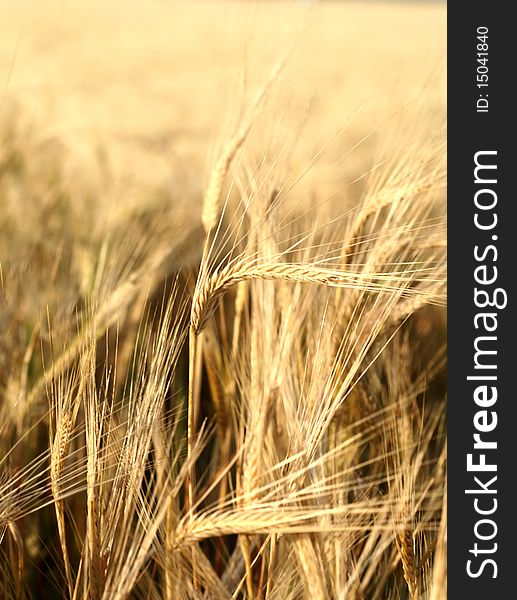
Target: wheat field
{"points": [[222, 291]]}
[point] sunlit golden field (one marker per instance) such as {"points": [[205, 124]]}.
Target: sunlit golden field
{"points": [[154, 86], [222, 281]]}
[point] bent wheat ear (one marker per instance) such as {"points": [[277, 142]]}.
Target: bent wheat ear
{"points": [[209, 290]]}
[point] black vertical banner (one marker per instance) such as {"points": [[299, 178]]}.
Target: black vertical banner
{"points": [[482, 242]]}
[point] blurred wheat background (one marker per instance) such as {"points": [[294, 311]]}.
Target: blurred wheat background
{"points": [[222, 289]]}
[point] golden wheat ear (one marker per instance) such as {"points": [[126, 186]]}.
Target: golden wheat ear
{"points": [[212, 203]]}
